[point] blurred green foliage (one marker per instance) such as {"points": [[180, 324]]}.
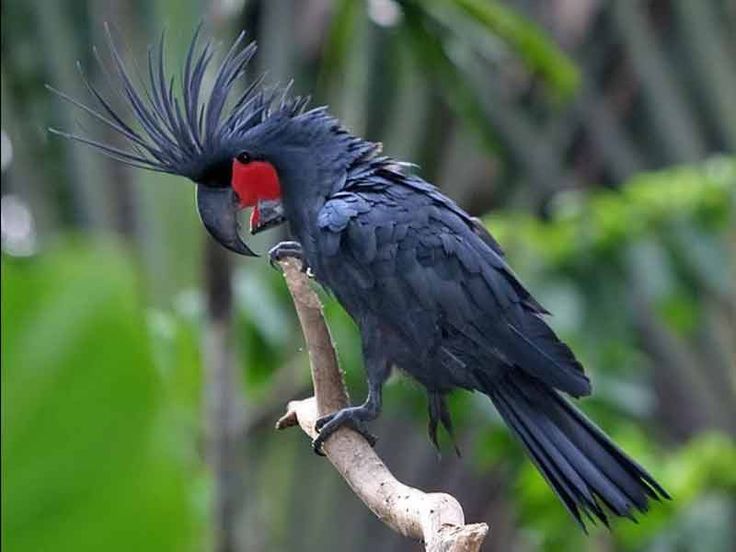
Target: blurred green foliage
{"points": [[91, 459], [538, 52], [585, 228]]}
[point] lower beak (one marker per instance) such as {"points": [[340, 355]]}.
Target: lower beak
{"points": [[266, 214], [218, 209]]}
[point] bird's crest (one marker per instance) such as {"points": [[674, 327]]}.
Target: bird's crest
{"points": [[189, 131]]}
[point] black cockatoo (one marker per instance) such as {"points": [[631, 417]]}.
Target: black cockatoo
{"points": [[428, 287]]}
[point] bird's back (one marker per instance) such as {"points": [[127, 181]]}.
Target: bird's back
{"points": [[393, 248]]}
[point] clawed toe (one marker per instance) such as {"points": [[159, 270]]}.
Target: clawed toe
{"points": [[368, 436], [284, 250], [317, 446], [323, 421], [327, 425]]}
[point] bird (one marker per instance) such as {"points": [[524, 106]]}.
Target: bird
{"points": [[427, 285]]}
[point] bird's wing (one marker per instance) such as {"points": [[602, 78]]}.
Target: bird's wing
{"points": [[420, 265]]}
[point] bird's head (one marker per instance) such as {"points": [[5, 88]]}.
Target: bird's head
{"points": [[255, 147]]}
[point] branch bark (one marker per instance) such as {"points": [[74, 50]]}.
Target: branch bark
{"points": [[435, 518]]}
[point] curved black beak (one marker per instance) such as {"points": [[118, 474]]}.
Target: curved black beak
{"points": [[218, 210]]}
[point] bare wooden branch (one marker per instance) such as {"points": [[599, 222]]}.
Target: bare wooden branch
{"points": [[435, 518]]}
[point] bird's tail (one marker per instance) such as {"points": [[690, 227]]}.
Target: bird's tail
{"points": [[583, 466]]}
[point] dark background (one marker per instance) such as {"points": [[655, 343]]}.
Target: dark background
{"points": [[142, 368]]}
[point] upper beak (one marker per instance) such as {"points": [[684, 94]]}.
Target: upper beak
{"points": [[218, 209]]}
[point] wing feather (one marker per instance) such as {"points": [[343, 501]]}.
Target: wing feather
{"points": [[424, 265]]}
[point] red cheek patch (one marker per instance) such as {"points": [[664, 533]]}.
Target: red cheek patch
{"points": [[255, 181]]}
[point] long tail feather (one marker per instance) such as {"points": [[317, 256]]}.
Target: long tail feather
{"points": [[584, 467]]}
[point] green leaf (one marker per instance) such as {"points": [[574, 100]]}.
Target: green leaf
{"points": [[537, 50], [81, 398], [430, 51]]}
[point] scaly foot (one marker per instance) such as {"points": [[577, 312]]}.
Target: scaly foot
{"points": [[354, 417], [286, 249]]}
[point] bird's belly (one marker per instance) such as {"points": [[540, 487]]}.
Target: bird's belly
{"points": [[446, 364]]}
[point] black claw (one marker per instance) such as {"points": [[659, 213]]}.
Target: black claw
{"points": [[372, 439], [360, 427], [327, 425], [284, 250], [317, 446], [321, 422]]}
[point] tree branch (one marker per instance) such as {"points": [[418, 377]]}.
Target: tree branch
{"points": [[435, 518]]}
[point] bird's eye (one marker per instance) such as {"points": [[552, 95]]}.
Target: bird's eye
{"points": [[244, 158]]}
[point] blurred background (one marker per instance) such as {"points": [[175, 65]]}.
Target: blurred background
{"points": [[143, 368]]}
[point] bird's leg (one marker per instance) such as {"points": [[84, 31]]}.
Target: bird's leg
{"points": [[356, 417], [285, 249]]}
